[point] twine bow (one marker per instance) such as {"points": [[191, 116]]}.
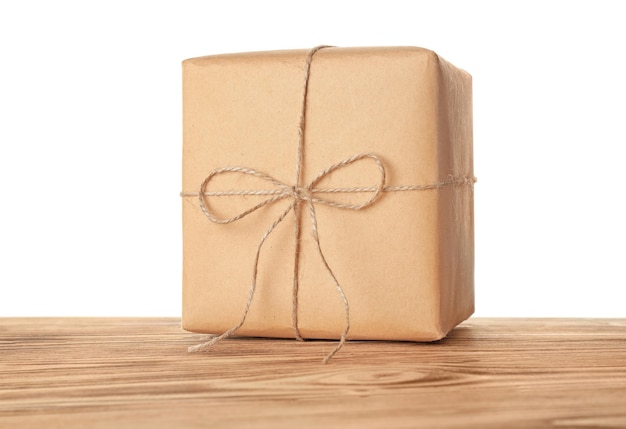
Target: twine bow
{"points": [[298, 195]]}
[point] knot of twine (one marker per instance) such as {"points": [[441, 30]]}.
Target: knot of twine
{"points": [[298, 195]]}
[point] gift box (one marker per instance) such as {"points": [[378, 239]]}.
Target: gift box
{"points": [[327, 192]]}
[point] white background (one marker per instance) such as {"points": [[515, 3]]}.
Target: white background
{"points": [[90, 142]]}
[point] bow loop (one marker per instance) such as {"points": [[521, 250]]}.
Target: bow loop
{"points": [[376, 188], [280, 191]]}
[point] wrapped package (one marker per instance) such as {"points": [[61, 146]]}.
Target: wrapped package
{"points": [[327, 188]]}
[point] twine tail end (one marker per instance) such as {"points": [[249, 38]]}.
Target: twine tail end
{"points": [[204, 346], [296, 334], [335, 350]]}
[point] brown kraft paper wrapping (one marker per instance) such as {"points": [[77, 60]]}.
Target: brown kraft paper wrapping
{"points": [[405, 263]]}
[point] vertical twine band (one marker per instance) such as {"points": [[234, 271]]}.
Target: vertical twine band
{"points": [[298, 181]]}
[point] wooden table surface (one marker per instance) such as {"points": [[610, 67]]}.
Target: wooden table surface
{"points": [[136, 373]]}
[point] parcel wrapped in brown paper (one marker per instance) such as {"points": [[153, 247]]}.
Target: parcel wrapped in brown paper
{"points": [[327, 189]]}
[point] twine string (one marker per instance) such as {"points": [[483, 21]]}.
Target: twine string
{"points": [[298, 195], [235, 328]]}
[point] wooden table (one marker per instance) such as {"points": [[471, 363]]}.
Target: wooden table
{"points": [[136, 373]]}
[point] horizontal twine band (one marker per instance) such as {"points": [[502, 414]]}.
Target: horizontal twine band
{"points": [[352, 190]]}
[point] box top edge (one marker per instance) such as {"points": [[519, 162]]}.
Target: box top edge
{"points": [[302, 52]]}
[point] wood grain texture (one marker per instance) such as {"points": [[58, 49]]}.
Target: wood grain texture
{"points": [[136, 373]]}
